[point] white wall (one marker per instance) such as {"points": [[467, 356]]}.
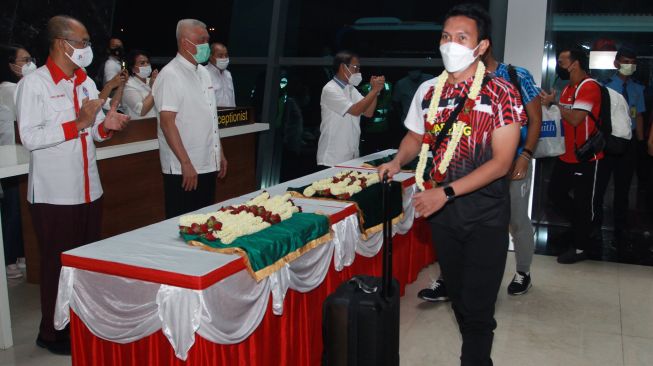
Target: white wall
{"points": [[524, 46], [525, 30]]}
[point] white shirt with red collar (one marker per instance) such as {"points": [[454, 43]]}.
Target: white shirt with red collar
{"points": [[63, 168]]}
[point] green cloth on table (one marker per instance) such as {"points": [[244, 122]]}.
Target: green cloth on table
{"points": [[269, 245], [369, 203]]}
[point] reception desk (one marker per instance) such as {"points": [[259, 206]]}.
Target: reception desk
{"points": [[130, 172]]}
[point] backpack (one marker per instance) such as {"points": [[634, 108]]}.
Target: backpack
{"points": [[514, 80], [613, 119]]}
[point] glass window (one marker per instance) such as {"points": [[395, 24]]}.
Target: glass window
{"points": [[249, 33], [601, 28], [300, 114], [133, 24], [242, 25], [23, 22], [371, 28], [249, 87]]}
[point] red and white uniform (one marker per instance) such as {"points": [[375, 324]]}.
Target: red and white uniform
{"points": [[63, 168], [589, 100]]}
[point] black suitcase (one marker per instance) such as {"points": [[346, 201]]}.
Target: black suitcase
{"points": [[360, 320]]}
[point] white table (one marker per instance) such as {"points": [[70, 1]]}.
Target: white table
{"points": [[14, 161], [149, 268]]}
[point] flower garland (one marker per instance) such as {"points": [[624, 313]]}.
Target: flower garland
{"points": [[343, 185], [232, 222], [458, 127]]}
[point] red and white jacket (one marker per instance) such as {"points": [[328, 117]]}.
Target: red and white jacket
{"points": [[63, 168]]}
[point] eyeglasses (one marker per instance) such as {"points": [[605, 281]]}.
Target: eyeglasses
{"points": [[355, 67], [84, 44], [26, 60]]}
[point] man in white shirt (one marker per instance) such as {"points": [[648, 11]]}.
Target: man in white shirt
{"points": [[113, 64], [189, 143], [342, 106], [223, 84], [59, 116]]}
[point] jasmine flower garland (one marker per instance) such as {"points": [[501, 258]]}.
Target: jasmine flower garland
{"points": [[342, 185], [231, 222], [458, 127]]}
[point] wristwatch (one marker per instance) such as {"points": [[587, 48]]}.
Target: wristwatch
{"points": [[450, 193]]}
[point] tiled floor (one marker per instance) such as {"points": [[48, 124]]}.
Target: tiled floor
{"points": [[553, 234], [590, 313], [25, 318]]}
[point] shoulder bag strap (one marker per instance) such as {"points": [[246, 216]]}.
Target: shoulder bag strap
{"points": [[454, 115]]}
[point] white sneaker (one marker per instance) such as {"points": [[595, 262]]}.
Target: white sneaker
{"points": [[20, 262], [13, 271]]}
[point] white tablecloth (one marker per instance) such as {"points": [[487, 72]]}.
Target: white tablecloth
{"points": [[123, 310]]}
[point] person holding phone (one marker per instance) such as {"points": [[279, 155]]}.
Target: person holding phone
{"points": [[114, 63], [137, 96]]}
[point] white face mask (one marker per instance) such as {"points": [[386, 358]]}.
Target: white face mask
{"points": [[144, 72], [222, 63], [355, 78], [81, 57], [627, 69], [26, 69], [457, 57]]}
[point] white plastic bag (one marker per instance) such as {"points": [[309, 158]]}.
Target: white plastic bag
{"points": [[552, 137]]}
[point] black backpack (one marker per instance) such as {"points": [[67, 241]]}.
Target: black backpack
{"points": [[514, 80]]}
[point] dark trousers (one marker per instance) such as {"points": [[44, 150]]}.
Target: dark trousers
{"points": [[622, 168], [179, 202], [576, 192], [473, 262], [12, 226], [60, 228]]}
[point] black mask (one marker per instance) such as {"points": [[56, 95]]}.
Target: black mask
{"points": [[563, 74], [118, 51]]}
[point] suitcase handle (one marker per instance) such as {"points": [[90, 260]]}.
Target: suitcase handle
{"points": [[386, 283]]}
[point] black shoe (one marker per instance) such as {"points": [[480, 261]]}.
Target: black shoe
{"points": [[56, 347], [437, 292], [520, 284], [570, 256]]}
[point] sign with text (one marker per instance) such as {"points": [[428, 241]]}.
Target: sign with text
{"points": [[237, 116]]}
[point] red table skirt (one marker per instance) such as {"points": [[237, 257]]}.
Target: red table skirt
{"points": [[295, 338]]}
